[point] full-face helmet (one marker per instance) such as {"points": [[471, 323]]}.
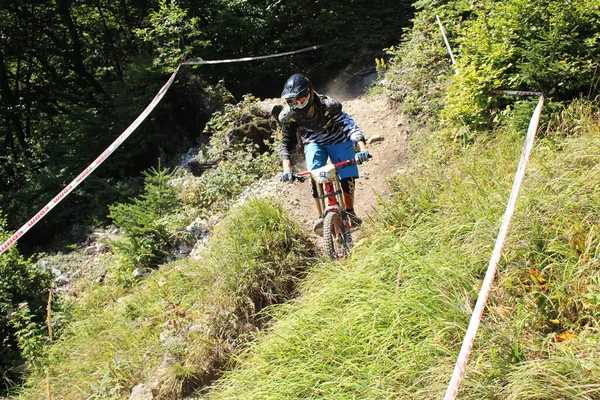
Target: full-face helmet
{"points": [[298, 92]]}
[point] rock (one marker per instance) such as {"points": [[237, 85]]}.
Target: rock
{"points": [[198, 227], [368, 80], [62, 281], [140, 273], [189, 156], [184, 249], [91, 238], [100, 278], [141, 392], [95, 249], [254, 127], [194, 329], [56, 272], [197, 168], [276, 110], [375, 139], [43, 265]]}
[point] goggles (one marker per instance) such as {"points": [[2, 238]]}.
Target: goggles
{"points": [[299, 103]]}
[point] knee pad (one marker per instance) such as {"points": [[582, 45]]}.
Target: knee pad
{"points": [[348, 185]]}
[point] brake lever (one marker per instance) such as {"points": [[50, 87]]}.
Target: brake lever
{"points": [[298, 178]]}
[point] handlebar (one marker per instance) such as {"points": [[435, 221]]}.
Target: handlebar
{"points": [[301, 176], [298, 178]]}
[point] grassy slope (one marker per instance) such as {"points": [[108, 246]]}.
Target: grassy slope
{"points": [[189, 316], [389, 322]]}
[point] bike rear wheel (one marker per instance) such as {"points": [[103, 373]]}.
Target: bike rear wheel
{"points": [[334, 241]]}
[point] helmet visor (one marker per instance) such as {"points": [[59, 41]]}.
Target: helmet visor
{"points": [[298, 103]]}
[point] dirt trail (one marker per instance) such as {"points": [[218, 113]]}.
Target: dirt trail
{"points": [[387, 134]]}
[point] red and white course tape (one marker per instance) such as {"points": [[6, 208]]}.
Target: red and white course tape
{"points": [[232, 60], [461, 362], [86, 172]]}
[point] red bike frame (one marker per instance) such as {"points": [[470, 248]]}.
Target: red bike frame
{"points": [[336, 232]]}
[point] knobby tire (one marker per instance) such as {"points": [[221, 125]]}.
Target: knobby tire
{"points": [[333, 237]]}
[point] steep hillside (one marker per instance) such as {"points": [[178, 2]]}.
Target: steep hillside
{"points": [[388, 323], [255, 313]]}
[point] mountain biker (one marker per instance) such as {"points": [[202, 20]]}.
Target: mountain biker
{"points": [[326, 132]]}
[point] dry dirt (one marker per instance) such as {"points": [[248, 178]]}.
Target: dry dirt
{"points": [[387, 135]]}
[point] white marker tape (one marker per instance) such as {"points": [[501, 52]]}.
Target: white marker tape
{"points": [[516, 92], [447, 43], [461, 362], [232, 60], [86, 172]]}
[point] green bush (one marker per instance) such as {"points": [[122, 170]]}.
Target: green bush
{"points": [[541, 46], [522, 45], [419, 69], [23, 293], [146, 236]]}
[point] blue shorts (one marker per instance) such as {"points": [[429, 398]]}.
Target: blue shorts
{"points": [[316, 156]]}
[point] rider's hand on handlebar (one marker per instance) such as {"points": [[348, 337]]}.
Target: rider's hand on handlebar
{"points": [[362, 156], [286, 176]]}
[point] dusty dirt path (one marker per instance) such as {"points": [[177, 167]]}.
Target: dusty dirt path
{"points": [[387, 133]]}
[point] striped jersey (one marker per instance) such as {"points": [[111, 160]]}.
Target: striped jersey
{"points": [[328, 125]]}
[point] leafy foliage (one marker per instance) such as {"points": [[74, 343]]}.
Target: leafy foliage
{"points": [[542, 46], [23, 294], [147, 238], [29, 333], [537, 46], [170, 30]]}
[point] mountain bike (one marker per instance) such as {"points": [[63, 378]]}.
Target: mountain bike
{"points": [[337, 239]]}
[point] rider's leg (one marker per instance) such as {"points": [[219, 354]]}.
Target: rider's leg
{"points": [[316, 156], [348, 192], [318, 207], [348, 186], [341, 152]]}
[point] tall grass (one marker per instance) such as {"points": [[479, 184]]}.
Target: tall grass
{"points": [[386, 323], [177, 328], [389, 322]]}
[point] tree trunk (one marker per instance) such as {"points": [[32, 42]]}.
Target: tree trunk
{"points": [[9, 102], [76, 52], [111, 43]]}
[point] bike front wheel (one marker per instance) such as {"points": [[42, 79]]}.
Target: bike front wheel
{"points": [[336, 240]]}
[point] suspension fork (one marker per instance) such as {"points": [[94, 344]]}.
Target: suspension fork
{"points": [[320, 198], [332, 191], [335, 198], [340, 194]]}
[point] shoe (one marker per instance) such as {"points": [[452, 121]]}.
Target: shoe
{"points": [[318, 226], [353, 218]]}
